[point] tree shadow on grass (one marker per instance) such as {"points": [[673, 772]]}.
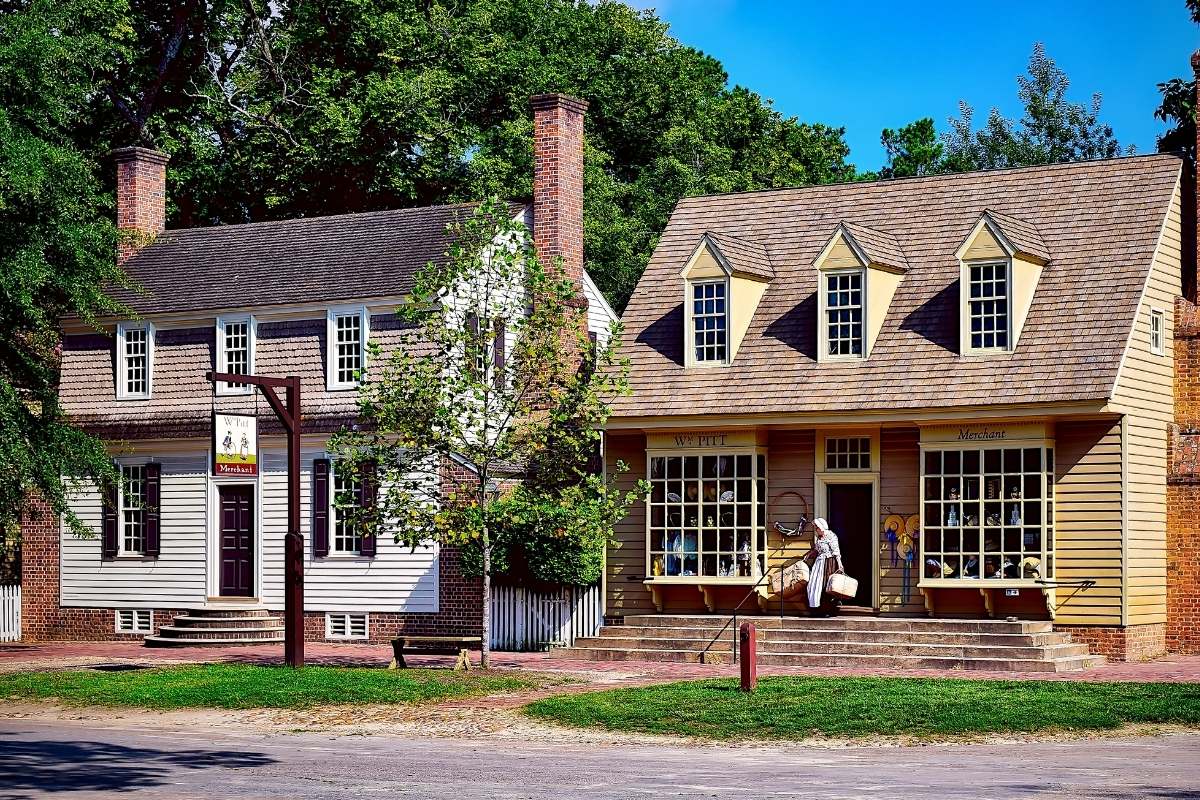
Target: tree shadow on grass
{"points": [[30, 765]]}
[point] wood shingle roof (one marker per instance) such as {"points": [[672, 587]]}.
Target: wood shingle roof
{"points": [[1101, 220]]}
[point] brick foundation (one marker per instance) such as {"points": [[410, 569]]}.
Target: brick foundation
{"points": [[1131, 643]]}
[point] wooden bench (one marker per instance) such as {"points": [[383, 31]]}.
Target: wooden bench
{"points": [[435, 645]]}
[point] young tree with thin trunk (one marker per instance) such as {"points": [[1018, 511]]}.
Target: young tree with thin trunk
{"points": [[495, 371]]}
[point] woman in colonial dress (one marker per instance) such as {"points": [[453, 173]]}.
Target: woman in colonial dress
{"points": [[827, 560]]}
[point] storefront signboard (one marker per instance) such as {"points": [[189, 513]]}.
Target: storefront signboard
{"points": [[984, 433], [701, 440], [235, 444]]}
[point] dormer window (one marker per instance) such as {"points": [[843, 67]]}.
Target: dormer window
{"points": [[723, 281], [1001, 261], [987, 305], [844, 313], [135, 360], [346, 334], [858, 272], [709, 321]]}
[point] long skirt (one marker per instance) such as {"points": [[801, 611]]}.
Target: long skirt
{"points": [[816, 581]]}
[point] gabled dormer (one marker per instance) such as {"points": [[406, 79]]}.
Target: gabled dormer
{"points": [[858, 272], [1001, 261], [724, 279]]}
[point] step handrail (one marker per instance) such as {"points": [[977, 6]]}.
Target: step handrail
{"points": [[733, 618]]}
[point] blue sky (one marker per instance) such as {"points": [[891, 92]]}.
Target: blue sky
{"points": [[869, 65]]}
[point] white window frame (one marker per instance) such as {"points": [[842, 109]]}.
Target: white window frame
{"points": [[965, 306], [689, 309], [135, 616], [121, 377], [122, 550], [334, 550], [1158, 331], [871, 437], [347, 629], [332, 383], [223, 355], [823, 309]]}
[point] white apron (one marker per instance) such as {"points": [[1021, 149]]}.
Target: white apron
{"points": [[829, 558]]}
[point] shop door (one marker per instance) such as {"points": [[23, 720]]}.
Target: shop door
{"points": [[850, 512], [237, 541]]}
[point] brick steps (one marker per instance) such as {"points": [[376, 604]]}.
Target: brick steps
{"points": [[853, 642], [219, 627]]}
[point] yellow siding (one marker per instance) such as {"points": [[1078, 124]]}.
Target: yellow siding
{"points": [[984, 245], [899, 485], [790, 459], [744, 294], [1088, 541], [1145, 392], [881, 288], [840, 257], [626, 567], [705, 266]]}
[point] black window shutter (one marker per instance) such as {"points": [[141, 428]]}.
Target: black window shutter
{"points": [[320, 519], [368, 483], [153, 495], [473, 344], [498, 353], [108, 536]]}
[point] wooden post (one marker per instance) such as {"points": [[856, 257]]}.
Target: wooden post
{"points": [[749, 659], [288, 413]]}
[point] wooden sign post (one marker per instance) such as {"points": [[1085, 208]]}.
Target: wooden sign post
{"points": [[288, 413]]}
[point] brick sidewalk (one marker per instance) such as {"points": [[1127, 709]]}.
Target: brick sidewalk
{"points": [[60, 655]]}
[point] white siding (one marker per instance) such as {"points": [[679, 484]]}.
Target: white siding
{"points": [[600, 313], [176, 579], [396, 579]]}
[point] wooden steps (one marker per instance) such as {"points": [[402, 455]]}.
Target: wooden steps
{"points": [[867, 642]]}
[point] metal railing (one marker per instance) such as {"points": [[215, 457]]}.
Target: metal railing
{"points": [[733, 617]]}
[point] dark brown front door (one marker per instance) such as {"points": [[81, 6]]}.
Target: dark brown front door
{"points": [[237, 541], [850, 509]]}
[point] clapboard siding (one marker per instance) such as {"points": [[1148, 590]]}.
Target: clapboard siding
{"points": [[1145, 392], [626, 557], [1088, 515], [176, 579], [791, 456], [396, 579], [899, 493]]}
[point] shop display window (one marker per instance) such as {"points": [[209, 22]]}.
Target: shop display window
{"points": [[987, 513], [706, 516]]}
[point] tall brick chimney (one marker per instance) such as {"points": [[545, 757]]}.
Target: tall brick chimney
{"points": [[558, 182], [141, 194]]}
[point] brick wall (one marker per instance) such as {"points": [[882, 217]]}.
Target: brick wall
{"points": [[1183, 488], [1132, 643], [141, 194], [558, 181]]}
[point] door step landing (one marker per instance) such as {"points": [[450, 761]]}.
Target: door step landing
{"points": [[226, 626]]}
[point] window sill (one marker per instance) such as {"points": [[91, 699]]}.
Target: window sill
{"points": [[696, 580], [129, 398], [982, 583]]}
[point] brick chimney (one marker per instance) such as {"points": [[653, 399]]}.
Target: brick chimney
{"points": [[558, 182], [141, 194]]}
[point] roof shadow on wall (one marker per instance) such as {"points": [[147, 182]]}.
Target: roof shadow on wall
{"points": [[798, 327], [665, 335], [936, 319]]}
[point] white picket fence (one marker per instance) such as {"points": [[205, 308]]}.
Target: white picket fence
{"points": [[537, 620], [10, 613]]}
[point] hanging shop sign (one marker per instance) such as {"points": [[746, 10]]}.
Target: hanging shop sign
{"points": [[235, 444], [984, 434]]}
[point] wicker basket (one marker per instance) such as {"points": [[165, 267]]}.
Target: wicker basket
{"points": [[842, 585]]}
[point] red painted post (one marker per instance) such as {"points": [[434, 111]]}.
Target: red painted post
{"points": [[749, 657]]}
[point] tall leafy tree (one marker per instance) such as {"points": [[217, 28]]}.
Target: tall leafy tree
{"points": [[912, 150], [443, 394], [1178, 107], [57, 238], [1052, 129]]}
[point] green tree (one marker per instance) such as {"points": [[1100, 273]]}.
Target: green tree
{"points": [[1052, 129], [57, 238], [441, 394], [1178, 107], [912, 150]]}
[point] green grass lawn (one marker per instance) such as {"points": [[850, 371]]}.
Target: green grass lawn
{"points": [[248, 686], [792, 708]]}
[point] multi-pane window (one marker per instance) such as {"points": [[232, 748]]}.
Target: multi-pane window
{"points": [[988, 513], [134, 344], [709, 322], [1158, 344], [347, 501], [987, 306], [133, 509], [848, 453], [707, 516], [347, 344], [844, 314], [236, 350]]}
